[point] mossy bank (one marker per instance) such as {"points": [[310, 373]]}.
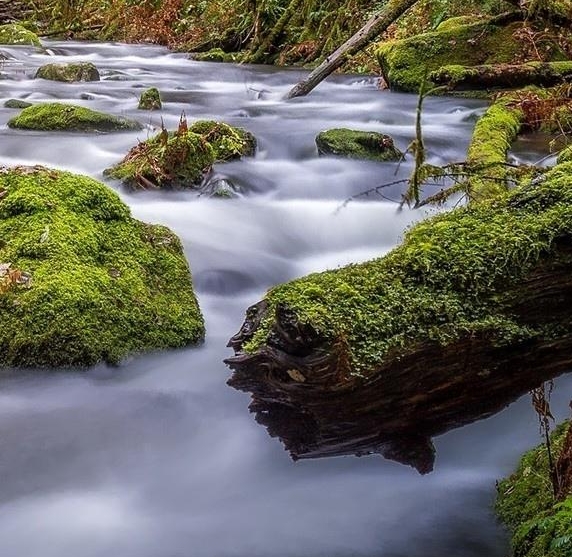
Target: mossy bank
{"points": [[406, 63], [540, 525], [83, 281]]}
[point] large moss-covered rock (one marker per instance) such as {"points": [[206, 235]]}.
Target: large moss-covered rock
{"points": [[76, 71], [180, 159], [14, 34], [539, 525], [150, 99], [83, 280], [355, 144], [67, 117], [405, 63]]}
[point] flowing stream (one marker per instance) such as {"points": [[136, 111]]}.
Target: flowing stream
{"points": [[159, 458]]}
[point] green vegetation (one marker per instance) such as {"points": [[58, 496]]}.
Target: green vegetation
{"points": [[355, 144], [540, 526], [57, 116], [181, 158], [80, 71], [150, 99], [89, 282], [13, 34], [405, 63], [565, 155], [449, 279]]}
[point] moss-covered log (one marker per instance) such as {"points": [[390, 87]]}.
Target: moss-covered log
{"points": [[492, 138], [502, 76], [470, 312], [81, 281]]}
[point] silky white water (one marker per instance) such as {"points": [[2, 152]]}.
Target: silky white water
{"points": [[158, 457]]}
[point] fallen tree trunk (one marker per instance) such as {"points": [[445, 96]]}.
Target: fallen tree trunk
{"points": [[503, 76], [468, 314], [376, 25]]}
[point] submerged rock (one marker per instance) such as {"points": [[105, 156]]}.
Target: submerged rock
{"points": [[14, 34], [76, 71], [150, 99], [67, 117], [101, 284], [356, 144], [16, 103], [468, 314], [181, 159]]}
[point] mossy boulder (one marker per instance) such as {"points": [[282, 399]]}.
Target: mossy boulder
{"points": [[86, 282], [16, 103], [14, 34], [180, 159], [405, 63], [76, 71], [355, 144], [67, 117], [539, 525], [150, 99]]}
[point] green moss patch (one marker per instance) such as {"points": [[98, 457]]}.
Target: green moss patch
{"points": [[56, 116], [14, 34], [539, 526], [355, 144], [180, 159], [78, 71], [150, 99], [99, 284], [450, 279]]}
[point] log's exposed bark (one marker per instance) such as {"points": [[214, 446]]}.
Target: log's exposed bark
{"points": [[303, 395], [376, 25], [503, 76]]}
